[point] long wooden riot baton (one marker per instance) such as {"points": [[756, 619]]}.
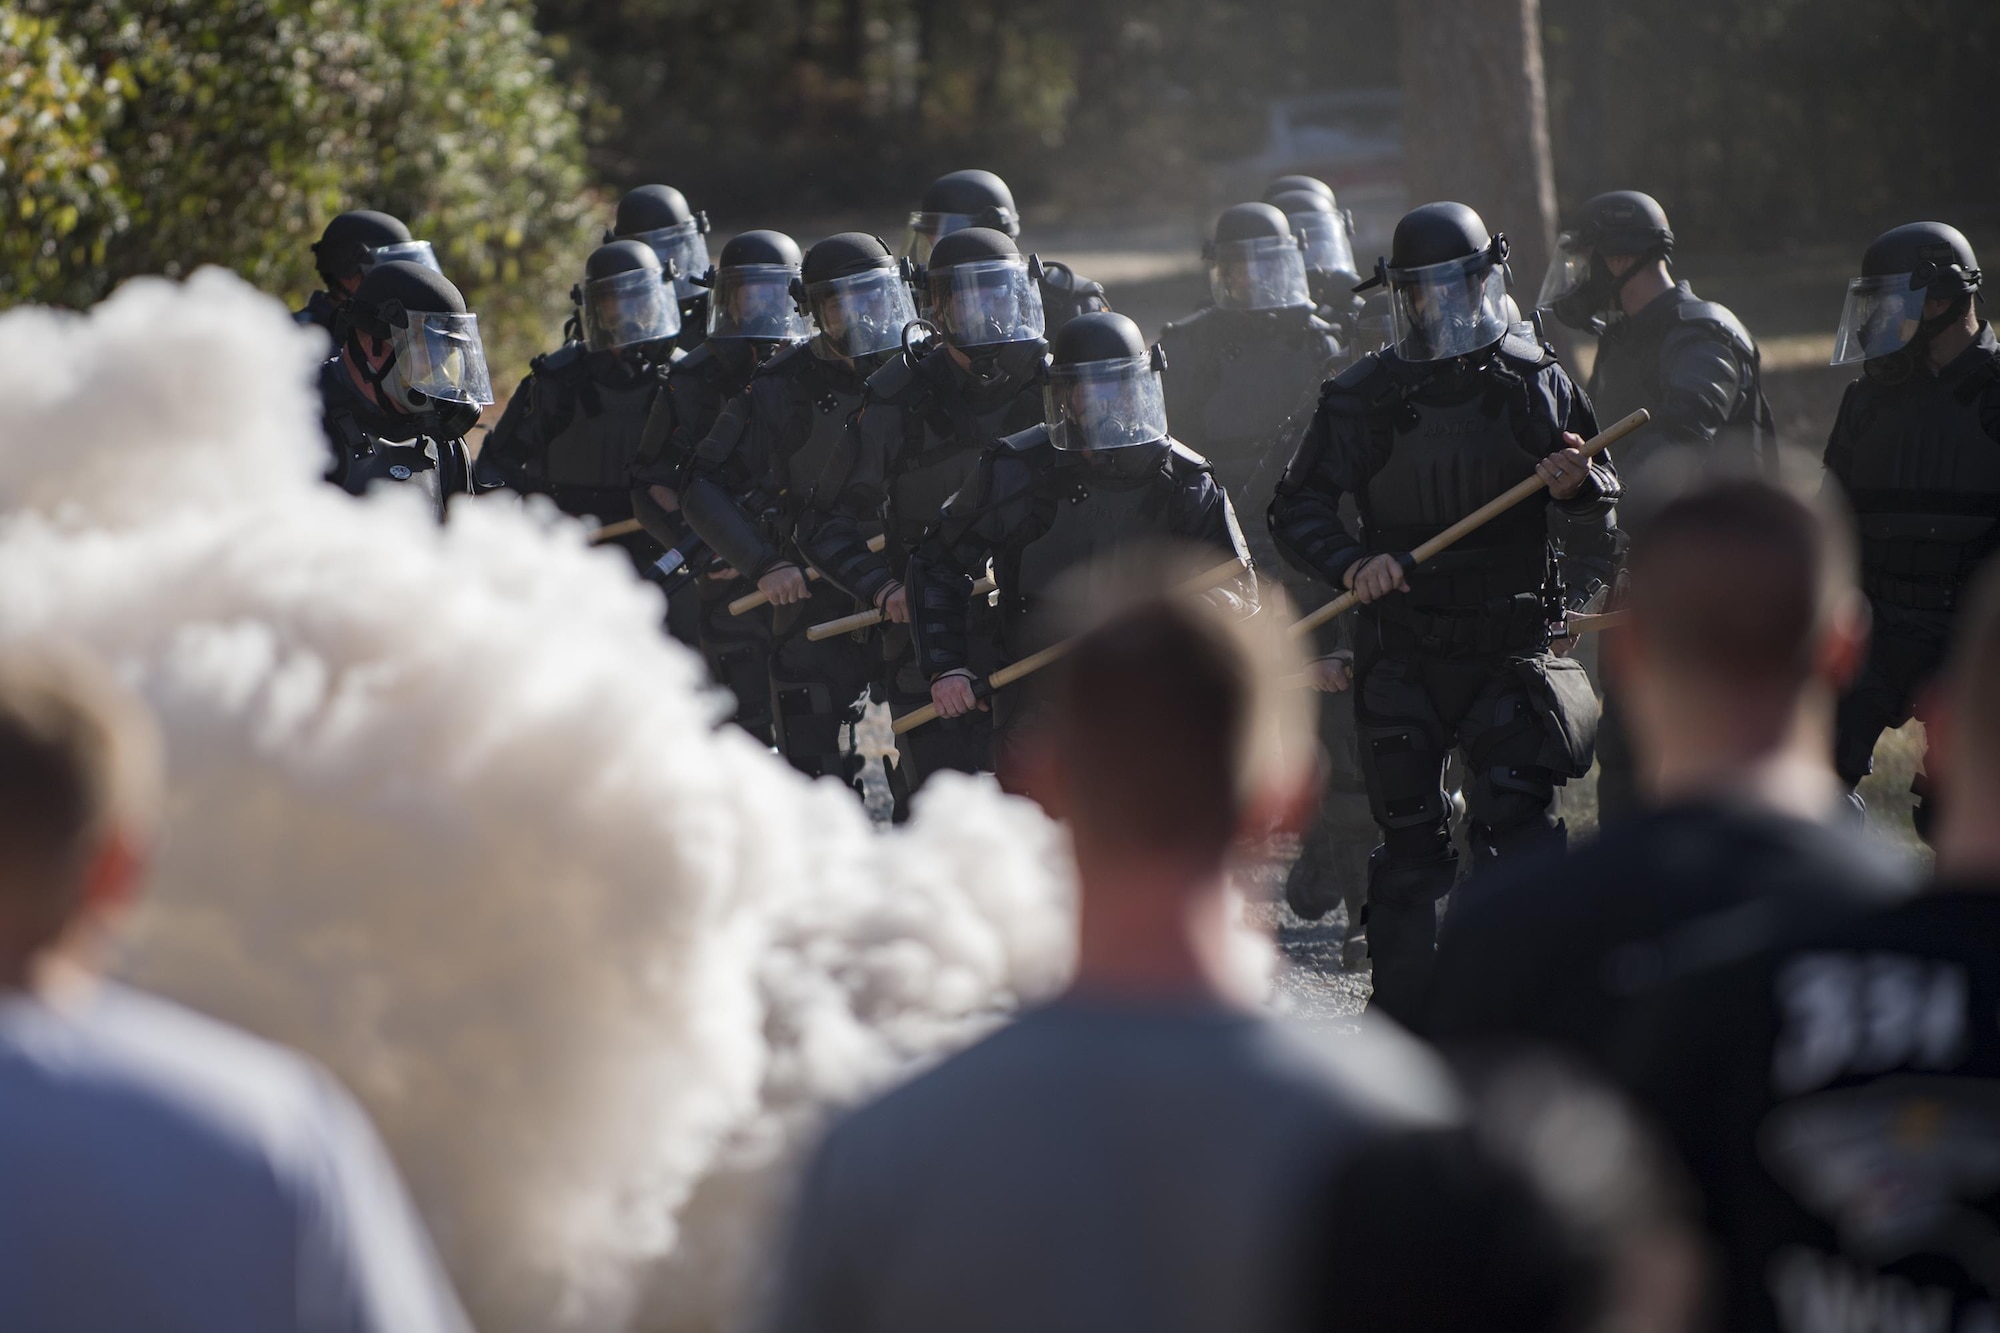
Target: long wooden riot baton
{"points": [[624, 527], [1034, 662], [750, 601], [833, 629], [1477, 519]]}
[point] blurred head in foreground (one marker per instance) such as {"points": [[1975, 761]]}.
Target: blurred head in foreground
{"points": [[1963, 728], [79, 790], [1747, 625], [1168, 736], [1549, 1211]]}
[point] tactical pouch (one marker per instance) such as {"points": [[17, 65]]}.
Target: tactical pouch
{"points": [[1559, 689]]}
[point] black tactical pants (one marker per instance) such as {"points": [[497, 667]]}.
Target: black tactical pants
{"points": [[816, 688], [737, 650], [1906, 650], [963, 744], [1333, 855], [1411, 710]]}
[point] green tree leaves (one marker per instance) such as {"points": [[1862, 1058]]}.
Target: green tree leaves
{"points": [[153, 136]]}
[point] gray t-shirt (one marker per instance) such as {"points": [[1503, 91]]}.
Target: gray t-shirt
{"points": [[1091, 1167], [161, 1171]]}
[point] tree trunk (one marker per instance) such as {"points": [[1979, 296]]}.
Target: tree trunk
{"points": [[1476, 120]]}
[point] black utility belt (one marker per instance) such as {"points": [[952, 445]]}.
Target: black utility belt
{"points": [[1518, 623]]}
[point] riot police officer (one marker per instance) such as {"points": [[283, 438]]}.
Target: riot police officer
{"points": [[353, 243], [1689, 362], [928, 416], [1454, 653], [1238, 370], [1101, 473], [752, 316], [961, 199], [1241, 378], [755, 476], [572, 429], [659, 215], [1917, 448], [406, 385]]}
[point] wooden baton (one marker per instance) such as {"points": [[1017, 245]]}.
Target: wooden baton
{"points": [[833, 629], [750, 601], [624, 527], [1477, 519], [1034, 662]]}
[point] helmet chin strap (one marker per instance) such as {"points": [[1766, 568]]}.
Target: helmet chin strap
{"points": [[377, 379]]}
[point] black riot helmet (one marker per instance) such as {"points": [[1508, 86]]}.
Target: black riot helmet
{"points": [[659, 215], [434, 346], [357, 240], [986, 297], [956, 201], [1289, 184], [1326, 233], [1447, 281], [625, 298], [1883, 321], [1104, 389], [1255, 262], [857, 294], [1579, 284], [750, 292]]}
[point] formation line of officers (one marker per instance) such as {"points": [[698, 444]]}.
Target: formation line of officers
{"points": [[938, 435]]}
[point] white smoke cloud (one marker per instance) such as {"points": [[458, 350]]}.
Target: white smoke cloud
{"points": [[449, 813]]}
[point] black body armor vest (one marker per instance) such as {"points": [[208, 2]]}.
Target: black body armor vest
{"points": [[1924, 478]]}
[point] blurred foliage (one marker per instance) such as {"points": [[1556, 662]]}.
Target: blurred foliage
{"points": [[1766, 123], [804, 104], [152, 136]]}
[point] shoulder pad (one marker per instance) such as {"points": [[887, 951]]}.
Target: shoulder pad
{"points": [[1026, 441], [561, 361], [1523, 350], [898, 383], [1717, 316], [691, 363], [1185, 462], [1359, 378], [1186, 325], [787, 364]]}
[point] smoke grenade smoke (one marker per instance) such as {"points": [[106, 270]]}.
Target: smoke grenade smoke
{"points": [[448, 812]]}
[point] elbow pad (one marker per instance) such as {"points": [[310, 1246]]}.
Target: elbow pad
{"points": [[729, 532]]}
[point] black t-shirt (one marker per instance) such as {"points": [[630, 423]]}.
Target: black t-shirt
{"points": [[1569, 949], [1852, 1148], [1647, 955]]}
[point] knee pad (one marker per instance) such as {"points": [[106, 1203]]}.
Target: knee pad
{"points": [[1399, 882], [1405, 772], [1512, 809]]}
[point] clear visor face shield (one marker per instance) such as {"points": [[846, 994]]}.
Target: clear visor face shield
{"points": [[755, 301], [987, 301], [863, 313], [1264, 273], [1101, 405], [1444, 310], [409, 252], [636, 306], [1881, 316], [1569, 271], [1328, 239], [439, 356], [926, 229], [683, 252]]}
